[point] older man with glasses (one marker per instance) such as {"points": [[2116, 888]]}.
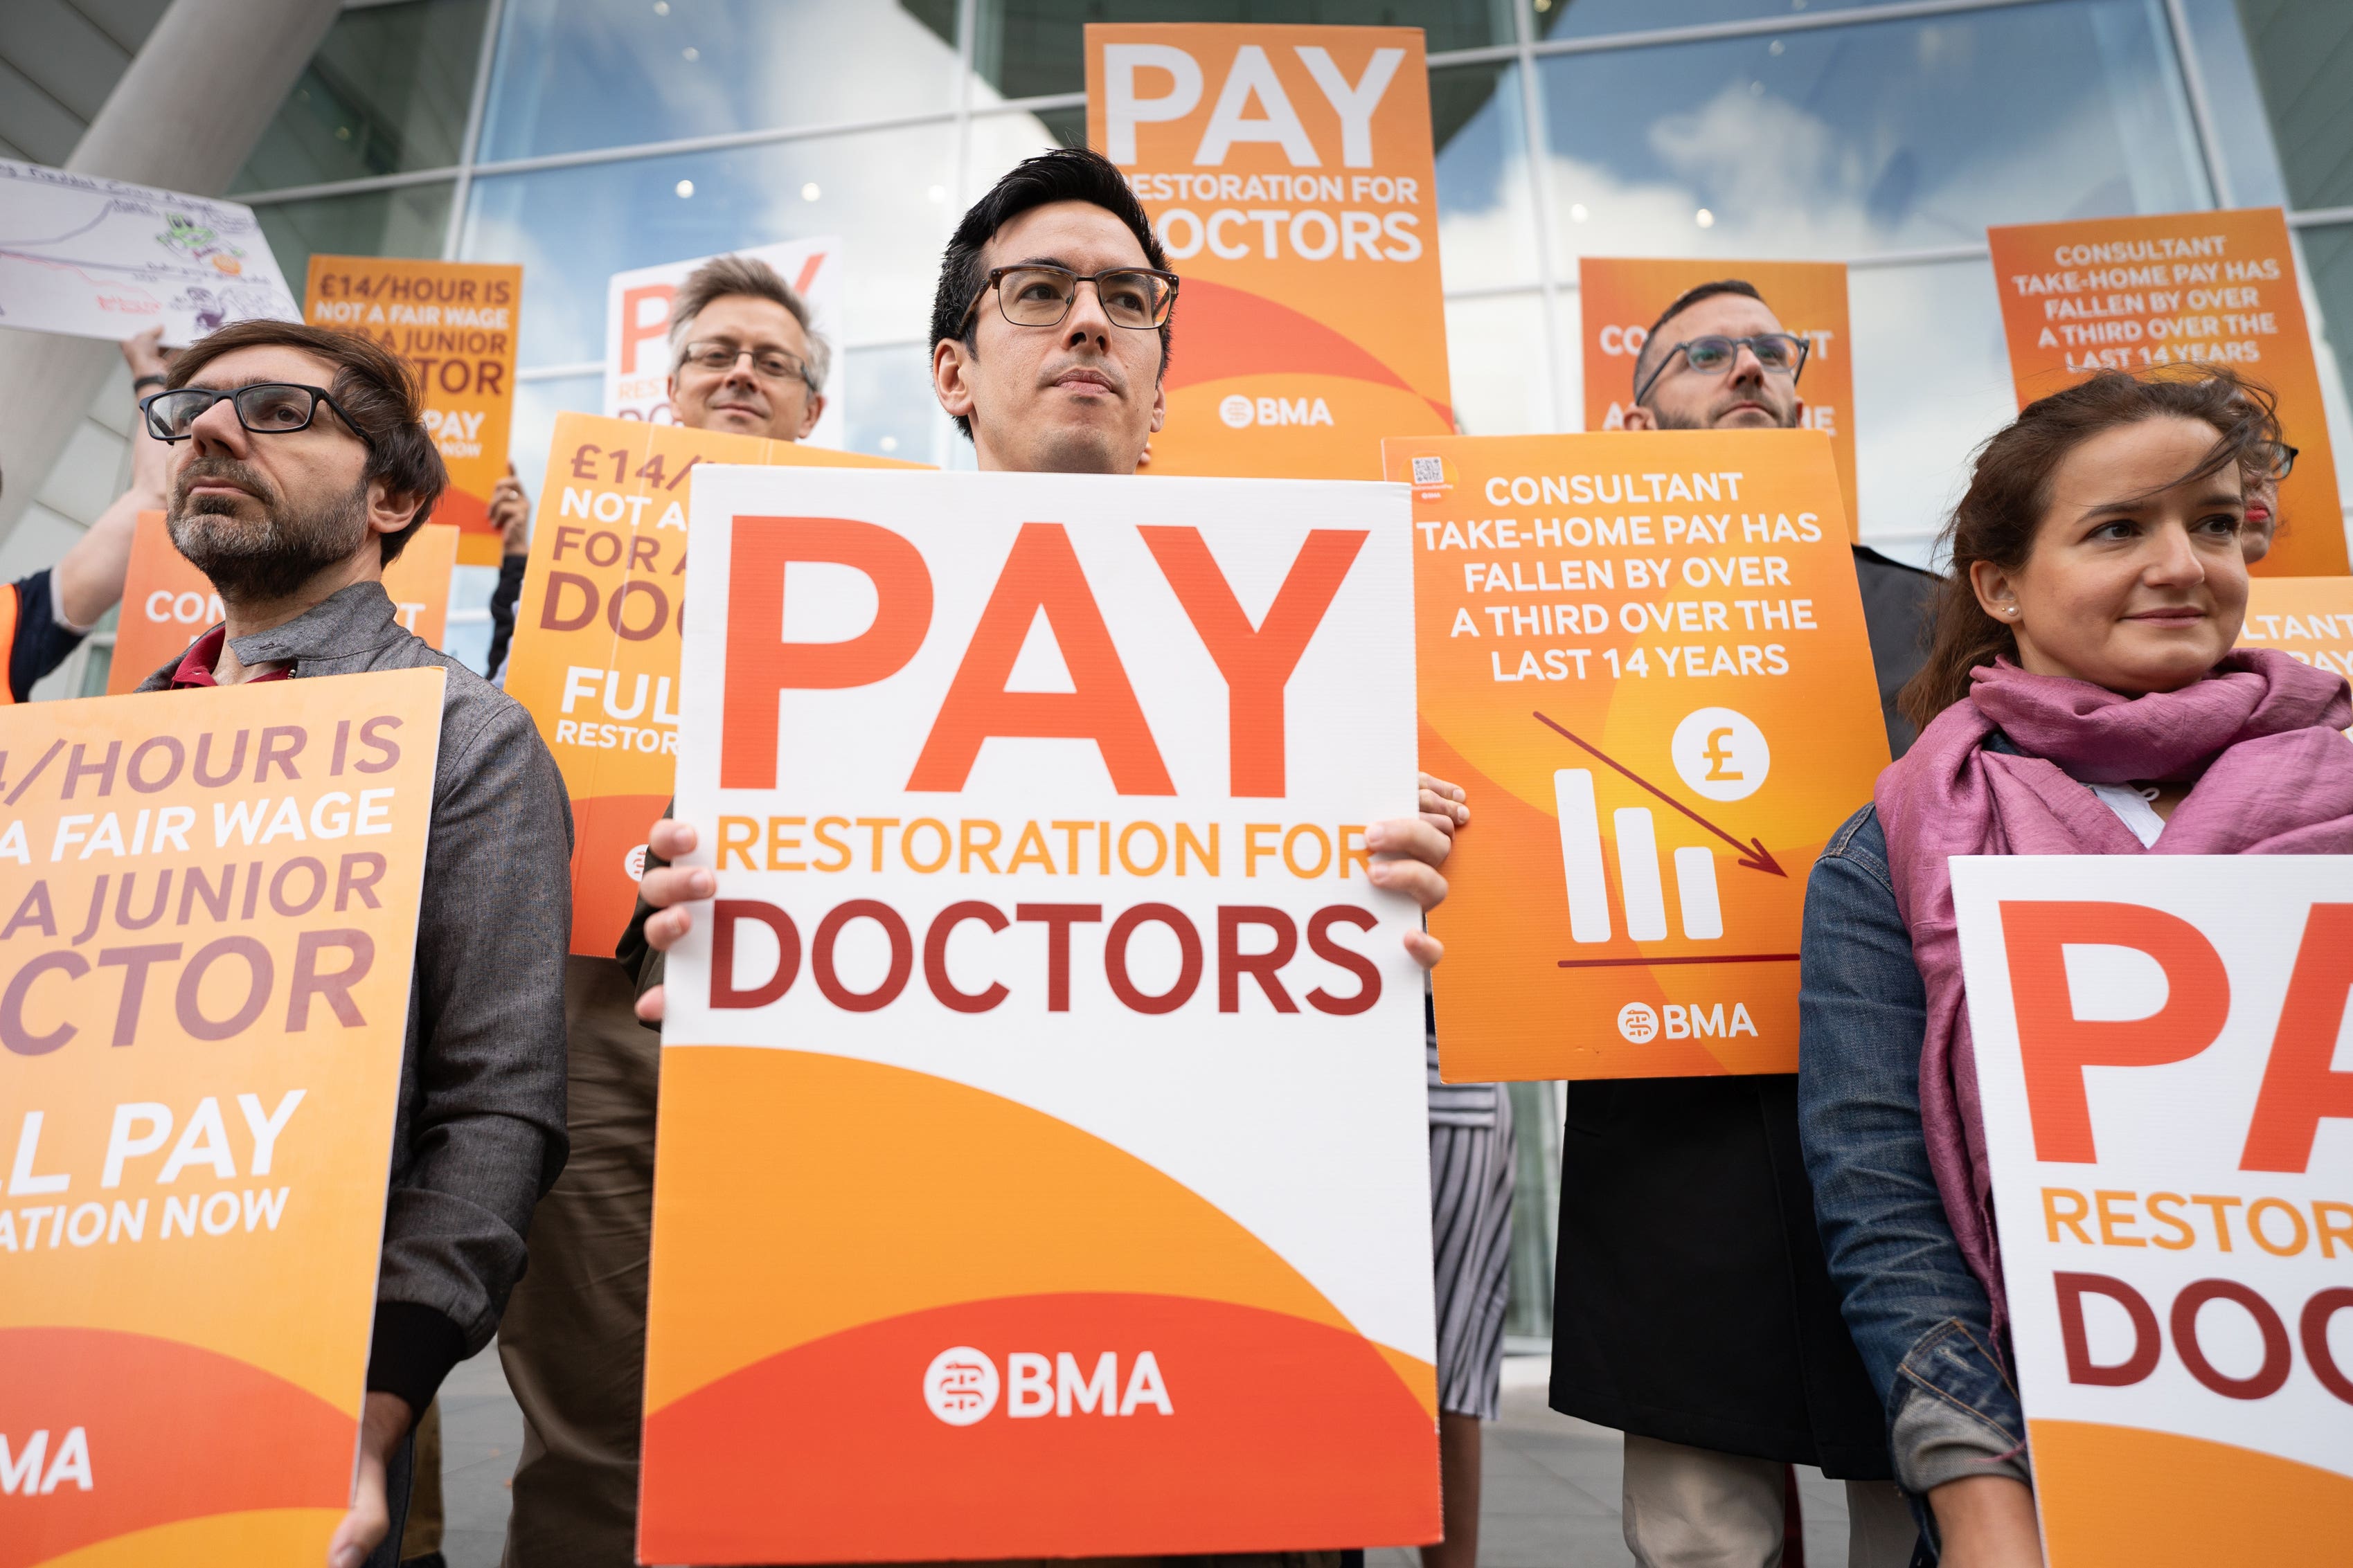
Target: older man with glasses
{"points": [[1695, 1311], [745, 360]]}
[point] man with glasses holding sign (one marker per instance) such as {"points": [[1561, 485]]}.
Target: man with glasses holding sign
{"points": [[1049, 334], [745, 360], [1695, 1311], [299, 467]]}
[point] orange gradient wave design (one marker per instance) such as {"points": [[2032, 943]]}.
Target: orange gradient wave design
{"points": [[2122, 1496], [830, 1453], [769, 1195], [1507, 1008], [1232, 331], [175, 1432]]}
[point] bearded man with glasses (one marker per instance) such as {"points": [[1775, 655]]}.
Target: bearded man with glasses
{"points": [[299, 469], [1693, 1310]]}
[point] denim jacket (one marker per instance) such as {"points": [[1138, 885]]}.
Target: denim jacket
{"points": [[1919, 1318]]}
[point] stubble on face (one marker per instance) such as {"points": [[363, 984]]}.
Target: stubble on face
{"points": [[1680, 400], [1077, 398], [259, 558]]}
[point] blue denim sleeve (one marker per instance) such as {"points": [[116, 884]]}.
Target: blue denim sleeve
{"points": [[1919, 1318]]}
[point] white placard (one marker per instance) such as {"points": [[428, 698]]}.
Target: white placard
{"points": [[105, 259], [637, 329], [1039, 802], [2168, 1091]]}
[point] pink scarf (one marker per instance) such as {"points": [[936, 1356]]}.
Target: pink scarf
{"points": [[2272, 777]]}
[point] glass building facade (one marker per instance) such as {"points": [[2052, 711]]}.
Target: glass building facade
{"points": [[583, 137]]}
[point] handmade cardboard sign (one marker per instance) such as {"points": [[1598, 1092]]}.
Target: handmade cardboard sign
{"points": [[1621, 296], [2179, 288], [2170, 1129], [167, 604], [1043, 1146], [453, 324], [210, 906], [106, 258], [596, 642], [1288, 173], [1643, 655]]}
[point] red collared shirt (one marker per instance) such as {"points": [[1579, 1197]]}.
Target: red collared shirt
{"points": [[196, 668]]}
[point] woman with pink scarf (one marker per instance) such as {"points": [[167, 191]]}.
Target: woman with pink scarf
{"points": [[2080, 697]]}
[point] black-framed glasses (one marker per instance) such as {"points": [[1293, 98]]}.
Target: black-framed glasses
{"points": [[720, 355], [1039, 294], [2276, 460], [1781, 354], [265, 408]]}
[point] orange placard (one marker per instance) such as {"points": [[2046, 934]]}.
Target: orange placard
{"points": [[1288, 172], [2136, 293], [596, 654], [1643, 655], [1622, 295], [167, 604], [210, 899], [2310, 618], [454, 323]]}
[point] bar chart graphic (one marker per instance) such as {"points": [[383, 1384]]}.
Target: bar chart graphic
{"points": [[1640, 870]]}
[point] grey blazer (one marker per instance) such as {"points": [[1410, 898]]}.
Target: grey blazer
{"points": [[480, 1130]]}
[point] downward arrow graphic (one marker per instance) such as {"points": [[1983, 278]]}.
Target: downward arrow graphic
{"points": [[1753, 854]]}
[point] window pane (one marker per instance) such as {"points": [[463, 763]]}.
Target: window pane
{"points": [[2302, 51], [883, 194], [387, 92], [573, 74], [1495, 362], [2328, 278], [1886, 136], [2242, 131], [537, 403], [413, 220], [468, 638], [892, 412], [1025, 48], [1597, 18], [1931, 381], [1486, 214]]}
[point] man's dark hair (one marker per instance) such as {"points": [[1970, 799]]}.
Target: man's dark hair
{"points": [[1685, 301], [1059, 175], [374, 387]]}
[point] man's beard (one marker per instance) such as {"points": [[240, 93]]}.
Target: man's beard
{"points": [[259, 561], [1677, 420]]}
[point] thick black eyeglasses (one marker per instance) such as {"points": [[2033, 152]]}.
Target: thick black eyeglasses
{"points": [[1781, 354], [2278, 459], [1041, 295], [265, 408]]}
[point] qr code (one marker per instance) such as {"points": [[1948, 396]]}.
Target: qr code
{"points": [[1428, 470]]}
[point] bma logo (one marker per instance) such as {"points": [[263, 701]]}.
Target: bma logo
{"points": [[961, 1386], [1639, 1022], [1241, 413]]}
